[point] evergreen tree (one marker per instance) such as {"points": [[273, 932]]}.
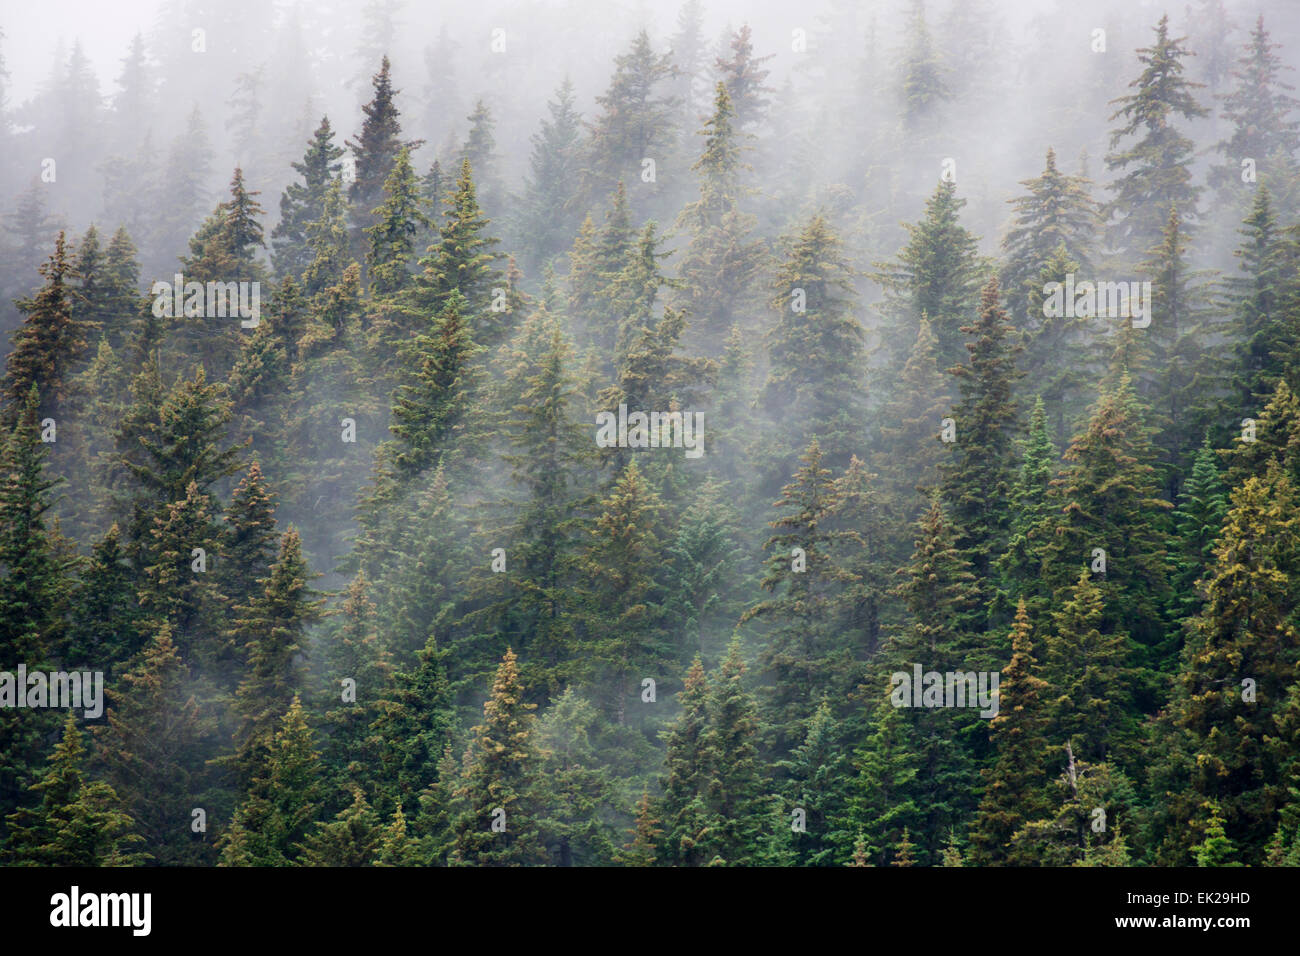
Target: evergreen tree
{"points": [[51, 340], [304, 203], [376, 146], [1014, 790], [281, 800], [392, 238], [936, 276], [1153, 172], [1106, 497], [1058, 211], [1198, 521], [462, 260], [550, 206], [815, 349], [432, 406], [622, 566], [743, 75], [1238, 664], [33, 592], [151, 750], [350, 839], [682, 809], [498, 785], [977, 481], [722, 261], [78, 822], [1261, 113], [268, 633], [635, 121]]}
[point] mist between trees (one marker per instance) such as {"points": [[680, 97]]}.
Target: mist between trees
{"points": [[556, 434]]}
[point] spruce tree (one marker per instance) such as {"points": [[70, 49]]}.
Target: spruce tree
{"points": [[1153, 171], [1015, 784], [280, 801], [978, 479], [78, 822], [498, 784], [550, 207], [682, 808], [151, 752], [622, 567], [1058, 211], [268, 633], [51, 340], [936, 276], [815, 349], [392, 238], [304, 203]]}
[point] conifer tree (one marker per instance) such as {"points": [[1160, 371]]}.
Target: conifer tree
{"points": [[815, 350], [722, 261], [977, 481], [635, 120], [800, 652], [281, 800], [882, 801], [414, 724], [640, 850], [1198, 520], [1014, 790], [268, 633], [78, 822], [622, 567], [732, 789], [936, 276], [498, 784], [1019, 567], [326, 238], [1064, 355], [1089, 666], [106, 612], [50, 341], [576, 790], [910, 449], [1263, 339], [376, 146], [547, 459], [176, 587], [350, 839], [168, 440], [923, 83], [938, 591], [1058, 211], [392, 238], [432, 406], [1261, 111], [1106, 497], [248, 539], [461, 261], [479, 151], [1239, 662], [1185, 372], [682, 808], [151, 752], [816, 777], [1154, 171], [550, 207], [304, 203], [358, 670], [743, 75], [33, 592]]}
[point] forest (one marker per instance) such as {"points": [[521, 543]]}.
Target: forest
{"points": [[599, 434]]}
